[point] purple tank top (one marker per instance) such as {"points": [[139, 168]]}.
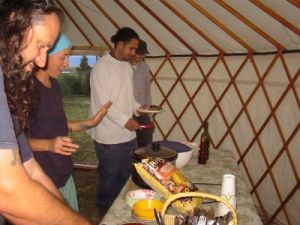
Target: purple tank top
{"points": [[47, 122]]}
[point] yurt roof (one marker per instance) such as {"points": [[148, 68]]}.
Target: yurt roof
{"points": [[177, 27]]}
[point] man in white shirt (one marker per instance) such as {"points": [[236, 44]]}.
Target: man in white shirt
{"points": [[115, 137]]}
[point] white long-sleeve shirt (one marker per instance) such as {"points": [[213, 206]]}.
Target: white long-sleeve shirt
{"points": [[111, 80]]}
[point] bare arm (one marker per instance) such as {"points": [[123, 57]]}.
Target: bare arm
{"points": [[77, 125], [60, 145], [24, 201], [65, 145], [37, 174]]}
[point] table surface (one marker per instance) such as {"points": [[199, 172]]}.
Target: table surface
{"points": [[220, 162]]}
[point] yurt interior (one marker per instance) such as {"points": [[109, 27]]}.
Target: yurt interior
{"points": [[232, 63]]}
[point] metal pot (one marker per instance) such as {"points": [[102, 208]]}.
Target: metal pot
{"points": [[153, 151]]}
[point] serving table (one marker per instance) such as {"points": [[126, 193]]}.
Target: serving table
{"points": [[209, 176]]}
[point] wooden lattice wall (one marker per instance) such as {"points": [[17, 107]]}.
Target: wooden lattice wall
{"points": [[252, 96]]}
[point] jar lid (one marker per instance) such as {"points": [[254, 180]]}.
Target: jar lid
{"points": [[155, 151]]}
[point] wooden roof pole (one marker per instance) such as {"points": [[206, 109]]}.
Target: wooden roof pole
{"points": [[276, 16], [295, 3], [106, 14], [91, 23], [142, 26], [196, 29], [90, 48], [148, 10], [220, 25], [74, 22], [250, 24]]}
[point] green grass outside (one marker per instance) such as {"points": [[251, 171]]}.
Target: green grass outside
{"points": [[77, 108]]}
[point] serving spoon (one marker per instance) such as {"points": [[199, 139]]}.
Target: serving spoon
{"points": [[158, 217]]}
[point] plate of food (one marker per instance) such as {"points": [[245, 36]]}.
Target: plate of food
{"points": [[150, 109]]}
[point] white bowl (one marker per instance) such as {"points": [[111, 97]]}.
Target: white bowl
{"points": [[132, 197], [184, 151], [183, 158]]}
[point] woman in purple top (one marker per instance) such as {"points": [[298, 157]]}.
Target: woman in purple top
{"points": [[49, 127]]}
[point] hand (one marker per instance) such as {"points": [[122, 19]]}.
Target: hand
{"points": [[148, 126], [100, 114], [132, 125], [63, 146]]}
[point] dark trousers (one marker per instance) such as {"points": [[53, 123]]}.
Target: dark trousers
{"points": [[114, 169], [2, 220], [144, 136]]}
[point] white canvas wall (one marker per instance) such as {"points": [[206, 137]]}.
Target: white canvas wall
{"points": [[287, 115]]}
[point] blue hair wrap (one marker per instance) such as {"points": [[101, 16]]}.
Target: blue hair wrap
{"points": [[61, 43]]}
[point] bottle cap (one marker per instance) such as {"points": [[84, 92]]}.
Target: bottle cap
{"points": [[205, 125]]}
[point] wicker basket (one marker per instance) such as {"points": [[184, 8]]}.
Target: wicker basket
{"points": [[170, 219]]}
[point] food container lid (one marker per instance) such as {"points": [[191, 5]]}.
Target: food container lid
{"points": [[155, 151], [175, 145]]}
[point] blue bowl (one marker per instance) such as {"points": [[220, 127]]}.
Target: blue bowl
{"points": [[174, 145]]}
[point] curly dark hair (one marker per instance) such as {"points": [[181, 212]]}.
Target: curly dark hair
{"points": [[16, 16]]}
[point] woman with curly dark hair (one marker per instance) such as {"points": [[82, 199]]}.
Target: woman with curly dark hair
{"points": [[28, 29]]}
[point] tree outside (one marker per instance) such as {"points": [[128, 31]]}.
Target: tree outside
{"points": [[77, 83], [84, 71], [84, 65]]}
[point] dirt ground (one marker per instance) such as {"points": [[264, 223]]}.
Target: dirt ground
{"points": [[86, 184]]}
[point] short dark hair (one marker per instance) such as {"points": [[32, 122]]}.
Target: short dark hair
{"points": [[125, 34], [16, 16]]}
